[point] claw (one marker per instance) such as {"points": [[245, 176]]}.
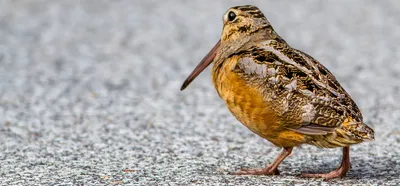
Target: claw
{"points": [[327, 176], [259, 171]]}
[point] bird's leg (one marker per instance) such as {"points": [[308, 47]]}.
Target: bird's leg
{"points": [[269, 170], [339, 172]]}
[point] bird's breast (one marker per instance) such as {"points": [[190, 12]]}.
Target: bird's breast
{"points": [[244, 100]]}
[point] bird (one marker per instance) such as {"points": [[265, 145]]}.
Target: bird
{"points": [[280, 93]]}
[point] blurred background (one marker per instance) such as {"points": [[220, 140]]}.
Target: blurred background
{"points": [[89, 91]]}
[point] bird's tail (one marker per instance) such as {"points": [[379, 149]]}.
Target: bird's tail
{"points": [[358, 130], [350, 132]]}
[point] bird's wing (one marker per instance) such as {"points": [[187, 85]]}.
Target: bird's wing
{"points": [[307, 96]]}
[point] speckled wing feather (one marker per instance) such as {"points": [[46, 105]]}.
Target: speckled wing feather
{"points": [[289, 77]]}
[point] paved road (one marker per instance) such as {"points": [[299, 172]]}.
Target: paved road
{"points": [[91, 88]]}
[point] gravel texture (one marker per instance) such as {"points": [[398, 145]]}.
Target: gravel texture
{"points": [[89, 92]]}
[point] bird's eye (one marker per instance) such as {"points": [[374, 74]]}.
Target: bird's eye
{"points": [[231, 16]]}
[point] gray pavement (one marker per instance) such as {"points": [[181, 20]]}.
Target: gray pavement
{"points": [[90, 88]]}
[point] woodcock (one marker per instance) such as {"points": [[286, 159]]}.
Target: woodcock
{"points": [[280, 93]]}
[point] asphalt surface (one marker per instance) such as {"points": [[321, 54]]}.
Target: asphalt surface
{"points": [[89, 92]]}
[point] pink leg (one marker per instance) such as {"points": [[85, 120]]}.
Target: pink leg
{"points": [[337, 173], [269, 170]]}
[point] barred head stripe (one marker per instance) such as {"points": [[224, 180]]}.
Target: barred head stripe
{"points": [[258, 15], [251, 10], [247, 8]]}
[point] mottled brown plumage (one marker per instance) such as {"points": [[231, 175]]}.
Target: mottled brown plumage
{"points": [[280, 93]]}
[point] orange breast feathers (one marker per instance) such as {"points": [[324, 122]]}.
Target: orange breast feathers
{"points": [[247, 104]]}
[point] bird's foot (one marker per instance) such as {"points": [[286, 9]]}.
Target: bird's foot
{"points": [[259, 171], [337, 173]]}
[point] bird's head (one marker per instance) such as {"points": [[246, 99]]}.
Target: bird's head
{"points": [[240, 24]]}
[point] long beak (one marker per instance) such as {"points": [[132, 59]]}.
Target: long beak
{"points": [[207, 60]]}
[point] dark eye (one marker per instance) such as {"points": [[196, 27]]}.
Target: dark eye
{"points": [[231, 16]]}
